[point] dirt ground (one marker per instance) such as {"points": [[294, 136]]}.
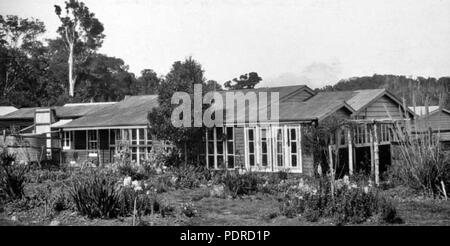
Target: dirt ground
{"points": [[259, 209]]}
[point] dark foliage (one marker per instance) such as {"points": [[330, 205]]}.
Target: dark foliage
{"points": [[95, 195], [12, 175]]}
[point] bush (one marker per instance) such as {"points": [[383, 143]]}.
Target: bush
{"points": [[39, 176], [12, 175], [95, 195], [349, 205], [388, 212], [60, 200], [190, 176], [240, 184], [131, 171]]}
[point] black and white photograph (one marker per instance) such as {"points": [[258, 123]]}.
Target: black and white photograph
{"points": [[224, 114]]}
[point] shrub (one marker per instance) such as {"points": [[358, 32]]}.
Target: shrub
{"points": [[282, 175], [95, 195], [12, 175], [349, 204], [388, 212], [190, 176], [60, 200], [39, 176], [240, 184], [131, 171]]}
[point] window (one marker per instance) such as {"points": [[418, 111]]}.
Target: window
{"points": [[251, 146], [92, 139], [279, 147], [220, 148], [265, 147], [67, 140], [274, 147], [293, 142], [133, 136], [112, 137], [210, 149], [141, 136], [230, 147]]}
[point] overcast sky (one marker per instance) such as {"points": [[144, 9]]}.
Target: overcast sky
{"points": [[287, 42]]}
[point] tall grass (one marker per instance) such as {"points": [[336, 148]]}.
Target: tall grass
{"points": [[424, 165]]}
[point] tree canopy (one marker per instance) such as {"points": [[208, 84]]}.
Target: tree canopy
{"points": [[245, 81]]}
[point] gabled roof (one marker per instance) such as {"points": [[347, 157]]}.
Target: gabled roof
{"points": [[6, 110], [309, 111], [359, 99], [132, 111], [66, 111], [284, 92]]}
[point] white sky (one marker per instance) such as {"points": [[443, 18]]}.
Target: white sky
{"points": [[313, 42]]}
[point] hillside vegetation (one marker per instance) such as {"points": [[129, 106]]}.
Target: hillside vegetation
{"points": [[418, 89]]}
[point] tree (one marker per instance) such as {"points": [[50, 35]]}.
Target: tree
{"points": [[23, 64], [147, 83], [212, 85], [103, 78], [82, 34], [181, 78], [245, 81]]}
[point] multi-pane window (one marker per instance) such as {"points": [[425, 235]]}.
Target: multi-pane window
{"points": [[220, 148], [273, 147], [251, 146], [92, 139], [279, 147], [67, 139], [293, 144], [133, 136], [265, 145], [210, 136], [230, 147], [141, 136]]}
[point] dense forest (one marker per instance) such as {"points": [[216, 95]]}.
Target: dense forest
{"points": [[44, 72], [419, 90]]}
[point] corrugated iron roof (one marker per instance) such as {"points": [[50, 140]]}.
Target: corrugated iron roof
{"points": [[70, 111], [131, 111], [6, 110]]}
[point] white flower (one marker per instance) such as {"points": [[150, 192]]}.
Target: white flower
{"points": [[366, 189], [127, 181], [135, 183], [158, 170], [137, 188], [346, 180]]}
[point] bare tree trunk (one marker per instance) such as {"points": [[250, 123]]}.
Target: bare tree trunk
{"points": [[71, 77]]}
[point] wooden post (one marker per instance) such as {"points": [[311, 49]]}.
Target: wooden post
{"points": [[330, 153], [350, 152], [372, 163], [100, 162], [376, 155]]}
